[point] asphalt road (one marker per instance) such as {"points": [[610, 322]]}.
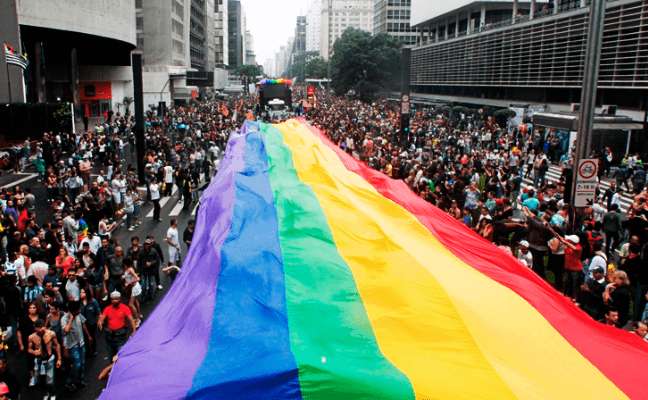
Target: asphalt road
{"points": [[170, 209]]}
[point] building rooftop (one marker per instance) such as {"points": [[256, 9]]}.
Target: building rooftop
{"points": [[425, 11]]}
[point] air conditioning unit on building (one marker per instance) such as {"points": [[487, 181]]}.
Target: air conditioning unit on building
{"points": [[609, 109], [575, 107]]}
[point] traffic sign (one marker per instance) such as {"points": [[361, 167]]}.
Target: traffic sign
{"points": [[405, 104], [586, 182], [587, 170]]}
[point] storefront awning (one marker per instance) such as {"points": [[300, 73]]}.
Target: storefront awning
{"points": [[569, 121]]}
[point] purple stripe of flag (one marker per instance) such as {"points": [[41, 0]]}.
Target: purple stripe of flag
{"points": [[160, 361]]}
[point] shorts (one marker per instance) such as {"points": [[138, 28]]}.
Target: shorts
{"points": [[136, 290], [45, 368]]}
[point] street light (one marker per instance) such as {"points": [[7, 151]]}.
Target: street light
{"points": [[588, 92]]}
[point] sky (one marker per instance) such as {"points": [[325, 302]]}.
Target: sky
{"points": [[272, 22]]}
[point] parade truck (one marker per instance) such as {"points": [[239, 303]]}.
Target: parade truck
{"points": [[275, 99]]}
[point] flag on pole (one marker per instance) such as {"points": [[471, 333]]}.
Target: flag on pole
{"points": [[15, 58]]}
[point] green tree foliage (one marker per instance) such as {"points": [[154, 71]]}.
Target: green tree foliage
{"points": [[317, 68], [308, 65], [365, 64], [249, 71]]}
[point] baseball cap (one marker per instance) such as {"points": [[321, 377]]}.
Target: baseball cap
{"points": [[573, 238], [524, 243], [115, 295], [4, 388], [598, 269]]}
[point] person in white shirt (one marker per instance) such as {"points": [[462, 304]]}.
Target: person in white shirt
{"points": [[599, 210], [94, 241], [168, 179], [173, 242], [154, 189], [524, 255]]}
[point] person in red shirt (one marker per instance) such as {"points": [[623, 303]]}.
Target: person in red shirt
{"points": [[64, 261], [573, 264], [120, 323]]}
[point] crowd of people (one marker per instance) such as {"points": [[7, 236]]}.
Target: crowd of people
{"points": [[492, 175], [66, 281]]}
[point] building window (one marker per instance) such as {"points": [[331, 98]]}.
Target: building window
{"points": [[178, 47]]}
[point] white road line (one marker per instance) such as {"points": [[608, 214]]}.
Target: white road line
{"points": [[163, 202], [176, 210], [19, 181], [193, 212]]}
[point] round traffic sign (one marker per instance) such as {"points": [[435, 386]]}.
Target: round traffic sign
{"points": [[587, 169]]}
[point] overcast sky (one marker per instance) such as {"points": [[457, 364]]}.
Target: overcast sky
{"points": [[272, 22]]}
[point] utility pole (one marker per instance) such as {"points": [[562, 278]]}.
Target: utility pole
{"points": [[588, 92], [405, 94], [138, 96]]}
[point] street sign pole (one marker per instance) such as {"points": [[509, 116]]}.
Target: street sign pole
{"points": [[590, 82], [138, 96], [405, 95]]}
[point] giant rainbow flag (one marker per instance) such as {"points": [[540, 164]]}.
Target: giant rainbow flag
{"points": [[312, 276]]}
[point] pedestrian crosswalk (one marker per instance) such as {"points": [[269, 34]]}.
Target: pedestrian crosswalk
{"points": [[175, 202], [164, 201], [554, 173]]}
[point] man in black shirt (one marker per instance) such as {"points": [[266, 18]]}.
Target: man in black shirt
{"points": [[187, 235]]}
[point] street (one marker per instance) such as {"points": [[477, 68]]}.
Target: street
{"points": [[171, 208]]}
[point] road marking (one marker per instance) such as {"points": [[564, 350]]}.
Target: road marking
{"points": [[193, 212], [163, 202], [19, 181], [177, 209]]}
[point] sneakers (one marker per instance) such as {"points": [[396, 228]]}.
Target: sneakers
{"points": [[160, 287], [131, 228]]}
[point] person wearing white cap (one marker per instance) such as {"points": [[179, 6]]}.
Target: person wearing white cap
{"points": [[573, 264], [524, 255], [119, 323]]}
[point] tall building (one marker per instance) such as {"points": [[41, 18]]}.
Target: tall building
{"points": [[201, 43], [504, 53], [313, 23], [74, 54], [299, 46], [282, 58], [338, 15], [236, 33], [393, 18], [221, 33], [250, 56], [163, 35]]}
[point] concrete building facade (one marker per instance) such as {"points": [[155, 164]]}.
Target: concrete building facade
{"points": [[163, 35], [74, 55], [338, 15], [250, 56], [236, 33], [503, 53], [393, 18], [313, 23], [221, 32], [202, 49]]}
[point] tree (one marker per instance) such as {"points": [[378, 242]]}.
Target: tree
{"points": [[365, 64], [250, 71], [307, 65], [317, 68]]}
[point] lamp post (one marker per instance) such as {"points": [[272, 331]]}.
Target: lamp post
{"points": [[590, 83]]}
